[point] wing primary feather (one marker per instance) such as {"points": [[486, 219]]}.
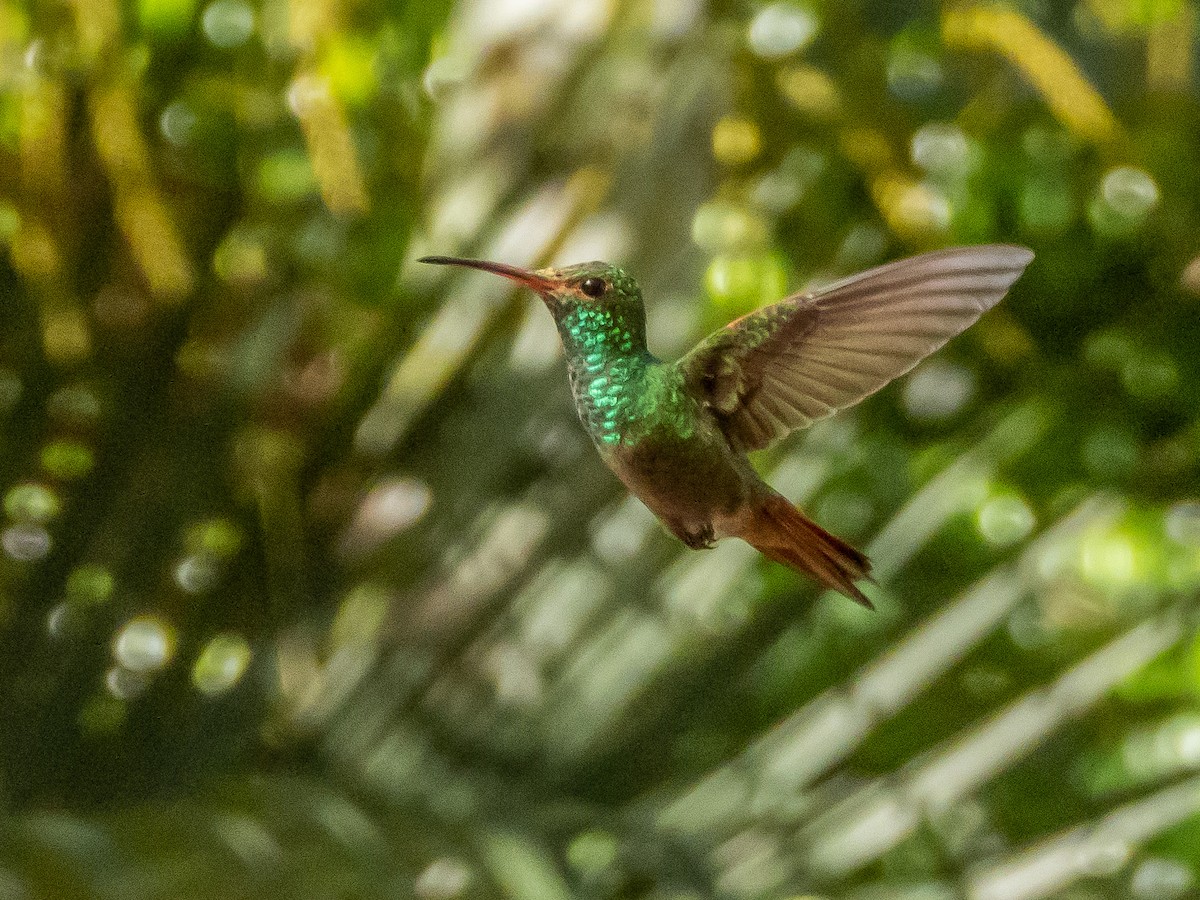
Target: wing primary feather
{"points": [[975, 294], [811, 354], [1000, 256], [834, 377]]}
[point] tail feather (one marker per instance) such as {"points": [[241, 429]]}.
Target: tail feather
{"points": [[783, 533]]}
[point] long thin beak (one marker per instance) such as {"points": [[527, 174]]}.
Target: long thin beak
{"points": [[533, 280]]}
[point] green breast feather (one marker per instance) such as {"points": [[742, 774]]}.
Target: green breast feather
{"points": [[622, 393]]}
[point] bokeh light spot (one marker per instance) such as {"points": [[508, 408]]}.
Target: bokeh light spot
{"points": [[912, 74], [90, 584], [782, 28], [1004, 520], [66, 335], [177, 123], [1159, 878], [58, 620], [742, 282], [34, 251], [221, 664], [1183, 523], [919, 209], [783, 187], [144, 644], [1150, 376], [33, 503], [941, 148], [592, 852], [1125, 198], [124, 684], [66, 460], [10, 389], [26, 543], [719, 225], [241, 258], [1131, 192], [360, 617], [443, 879], [286, 177], [1110, 348], [349, 64], [250, 841], [389, 507], [220, 538], [308, 93], [445, 73], [228, 23], [736, 141], [938, 390], [74, 406], [197, 574], [811, 91], [10, 221], [1108, 558]]}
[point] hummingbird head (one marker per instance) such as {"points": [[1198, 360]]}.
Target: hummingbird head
{"points": [[598, 285]]}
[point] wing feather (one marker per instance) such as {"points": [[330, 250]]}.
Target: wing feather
{"points": [[807, 356]]}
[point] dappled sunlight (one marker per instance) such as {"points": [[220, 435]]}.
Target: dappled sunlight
{"points": [[330, 147], [782, 765], [279, 499], [140, 211], [959, 487], [446, 344], [871, 821], [1098, 849], [996, 27]]}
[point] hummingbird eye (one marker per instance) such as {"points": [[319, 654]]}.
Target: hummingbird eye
{"points": [[593, 287]]}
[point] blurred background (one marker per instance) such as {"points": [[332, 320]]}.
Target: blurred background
{"points": [[311, 585]]}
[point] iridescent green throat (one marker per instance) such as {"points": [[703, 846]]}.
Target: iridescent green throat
{"points": [[608, 362]]}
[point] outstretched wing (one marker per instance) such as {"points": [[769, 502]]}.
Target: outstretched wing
{"points": [[804, 358]]}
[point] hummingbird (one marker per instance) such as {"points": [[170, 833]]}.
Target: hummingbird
{"points": [[677, 433]]}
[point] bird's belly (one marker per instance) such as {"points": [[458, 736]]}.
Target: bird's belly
{"points": [[684, 482]]}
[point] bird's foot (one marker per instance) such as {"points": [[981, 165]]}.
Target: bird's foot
{"points": [[698, 538]]}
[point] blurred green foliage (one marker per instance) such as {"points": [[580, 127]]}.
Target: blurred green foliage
{"points": [[312, 587]]}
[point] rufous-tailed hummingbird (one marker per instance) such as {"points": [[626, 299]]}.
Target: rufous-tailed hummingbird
{"points": [[677, 433]]}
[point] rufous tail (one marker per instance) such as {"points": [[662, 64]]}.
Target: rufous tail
{"points": [[783, 533]]}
